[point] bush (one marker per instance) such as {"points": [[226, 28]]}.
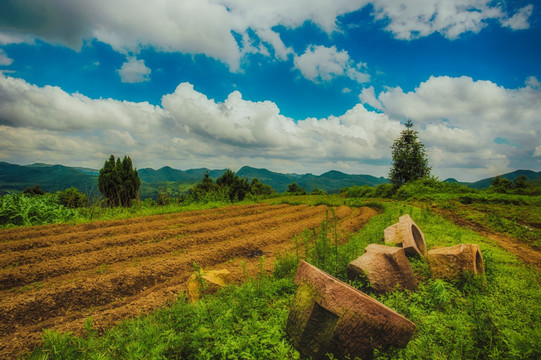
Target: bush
{"points": [[72, 198]]}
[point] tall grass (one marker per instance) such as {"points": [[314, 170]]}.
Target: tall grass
{"points": [[24, 210]]}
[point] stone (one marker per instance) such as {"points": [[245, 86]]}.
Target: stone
{"points": [[330, 316], [385, 267], [408, 235], [450, 263], [212, 280]]}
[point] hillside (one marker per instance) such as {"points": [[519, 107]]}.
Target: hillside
{"points": [[50, 178], [485, 183]]}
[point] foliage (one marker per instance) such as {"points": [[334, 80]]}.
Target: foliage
{"points": [[34, 190], [24, 210], [228, 187], [72, 198], [409, 158], [317, 191], [257, 188], [295, 189], [118, 181], [245, 322], [497, 316]]}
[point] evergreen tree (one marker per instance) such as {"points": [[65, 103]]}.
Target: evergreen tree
{"points": [[118, 181], [409, 158]]}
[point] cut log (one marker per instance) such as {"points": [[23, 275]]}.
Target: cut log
{"points": [[385, 267], [451, 263], [330, 316], [408, 235]]}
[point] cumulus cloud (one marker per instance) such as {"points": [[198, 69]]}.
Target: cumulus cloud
{"points": [[471, 129], [368, 96], [320, 64], [464, 119], [519, 21], [134, 71], [414, 19], [208, 26], [187, 130], [4, 59]]}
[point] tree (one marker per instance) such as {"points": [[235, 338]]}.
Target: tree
{"points": [[409, 158], [236, 187], [34, 190], [295, 189], [501, 185], [258, 188], [118, 181]]}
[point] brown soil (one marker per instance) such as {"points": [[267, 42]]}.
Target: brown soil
{"points": [[54, 277], [523, 251]]}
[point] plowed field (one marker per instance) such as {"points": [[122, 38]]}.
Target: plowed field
{"points": [[57, 276]]}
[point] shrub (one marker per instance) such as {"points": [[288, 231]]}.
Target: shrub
{"points": [[72, 198]]}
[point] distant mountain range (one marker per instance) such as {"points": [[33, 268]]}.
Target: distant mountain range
{"points": [[52, 178]]}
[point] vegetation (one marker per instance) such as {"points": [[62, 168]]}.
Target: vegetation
{"points": [[295, 189], [25, 210], [118, 181], [495, 316], [409, 158]]}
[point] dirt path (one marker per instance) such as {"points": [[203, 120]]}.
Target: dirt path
{"points": [[522, 250], [55, 277]]}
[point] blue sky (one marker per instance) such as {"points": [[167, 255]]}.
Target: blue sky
{"points": [[292, 86]]}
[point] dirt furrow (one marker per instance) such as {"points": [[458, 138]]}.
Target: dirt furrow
{"points": [[83, 233], [26, 274], [34, 307], [140, 277], [168, 230]]}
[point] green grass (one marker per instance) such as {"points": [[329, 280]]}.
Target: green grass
{"points": [[497, 316]]}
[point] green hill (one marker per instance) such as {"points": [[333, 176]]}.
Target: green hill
{"points": [[485, 183], [50, 178]]}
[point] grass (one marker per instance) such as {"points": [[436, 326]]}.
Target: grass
{"points": [[497, 316]]}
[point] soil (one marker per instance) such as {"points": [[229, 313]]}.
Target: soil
{"points": [[522, 250], [55, 277]]}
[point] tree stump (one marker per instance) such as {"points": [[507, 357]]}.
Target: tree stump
{"points": [[408, 235], [329, 316], [386, 268], [450, 263]]}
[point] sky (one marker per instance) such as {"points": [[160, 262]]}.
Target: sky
{"points": [[294, 86]]}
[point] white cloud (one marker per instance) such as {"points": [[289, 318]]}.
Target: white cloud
{"points": [[464, 119], [537, 151], [471, 129], [411, 19], [320, 64], [4, 59], [188, 130], [519, 21], [134, 71], [368, 96], [207, 26], [533, 82]]}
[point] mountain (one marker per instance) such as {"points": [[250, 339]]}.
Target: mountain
{"points": [[485, 183], [331, 181], [168, 174], [50, 178]]}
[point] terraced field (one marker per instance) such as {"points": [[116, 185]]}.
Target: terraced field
{"points": [[57, 276]]}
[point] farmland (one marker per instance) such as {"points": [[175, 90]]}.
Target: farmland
{"points": [[57, 276]]}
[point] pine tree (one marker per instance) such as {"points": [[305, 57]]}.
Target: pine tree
{"points": [[409, 158]]}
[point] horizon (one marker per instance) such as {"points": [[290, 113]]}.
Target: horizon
{"points": [[291, 86], [290, 173]]}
